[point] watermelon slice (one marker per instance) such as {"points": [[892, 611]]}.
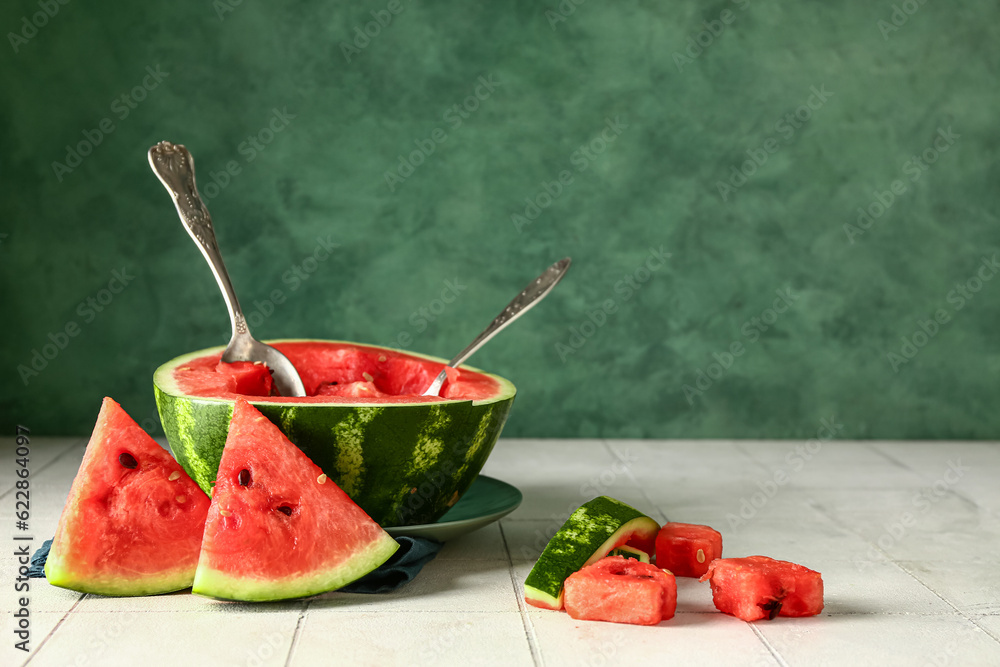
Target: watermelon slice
{"points": [[621, 590], [686, 549], [133, 521], [593, 530], [759, 587], [278, 528]]}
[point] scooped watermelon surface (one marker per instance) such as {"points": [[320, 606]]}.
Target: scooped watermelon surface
{"points": [[621, 590], [278, 527], [589, 534], [404, 458], [133, 522]]}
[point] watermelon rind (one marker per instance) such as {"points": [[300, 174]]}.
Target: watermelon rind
{"points": [[590, 532], [212, 583], [631, 553], [58, 573], [403, 463]]}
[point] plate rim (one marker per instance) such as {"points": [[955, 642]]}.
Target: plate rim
{"points": [[478, 521]]}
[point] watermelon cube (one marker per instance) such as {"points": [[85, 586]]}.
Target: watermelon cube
{"points": [[621, 590], [759, 587], [686, 549]]}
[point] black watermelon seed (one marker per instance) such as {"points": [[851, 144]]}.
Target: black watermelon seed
{"points": [[772, 608], [128, 461], [244, 477], [286, 510]]}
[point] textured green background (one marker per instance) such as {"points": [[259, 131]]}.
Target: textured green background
{"points": [[655, 185]]}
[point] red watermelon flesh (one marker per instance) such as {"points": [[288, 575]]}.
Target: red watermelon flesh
{"points": [[133, 522], [621, 590], [331, 371], [759, 587], [686, 549], [351, 390], [246, 377], [278, 528], [227, 379]]}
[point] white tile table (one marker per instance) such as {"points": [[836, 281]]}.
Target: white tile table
{"points": [[906, 535]]}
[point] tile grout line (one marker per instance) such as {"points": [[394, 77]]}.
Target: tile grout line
{"points": [[297, 632], [948, 602], [764, 468], [53, 631], [529, 630], [898, 565], [55, 458], [770, 649], [892, 459]]}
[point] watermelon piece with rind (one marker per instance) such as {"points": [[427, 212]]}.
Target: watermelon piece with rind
{"points": [[278, 527], [589, 534], [621, 590], [133, 521]]}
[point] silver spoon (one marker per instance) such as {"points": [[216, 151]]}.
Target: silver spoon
{"points": [[529, 296], [174, 166]]}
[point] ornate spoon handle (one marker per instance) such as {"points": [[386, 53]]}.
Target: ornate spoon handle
{"points": [[174, 166], [529, 296]]}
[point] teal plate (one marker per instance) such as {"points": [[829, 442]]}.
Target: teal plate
{"points": [[486, 501]]}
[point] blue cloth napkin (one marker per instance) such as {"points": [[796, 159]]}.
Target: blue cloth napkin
{"points": [[405, 564]]}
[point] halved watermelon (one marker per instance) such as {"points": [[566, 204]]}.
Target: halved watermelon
{"points": [[686, 549], [278, 527], [404, 458], [593, 530], [621, 590], [133, 522], [758, 587]]}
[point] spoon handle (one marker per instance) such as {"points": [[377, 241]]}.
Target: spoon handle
{"points": [[522, 303], [174, 166]]}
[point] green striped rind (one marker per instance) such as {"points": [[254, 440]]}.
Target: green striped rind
{"points": [[587, 536], [404, 463], [215, 584]]}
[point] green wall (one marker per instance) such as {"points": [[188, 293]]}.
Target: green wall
{"points": [[641, 124]]}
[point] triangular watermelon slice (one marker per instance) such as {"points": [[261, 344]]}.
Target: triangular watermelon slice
{"points": [[278, 528], [133, 522]]}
